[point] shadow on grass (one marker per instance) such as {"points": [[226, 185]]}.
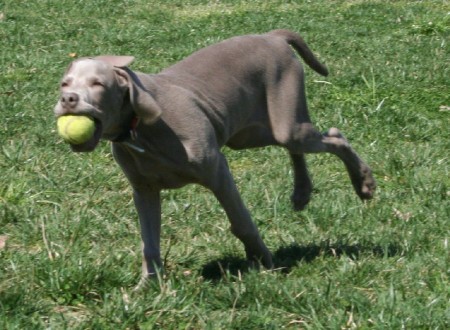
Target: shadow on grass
{"points": [[285, 258]]}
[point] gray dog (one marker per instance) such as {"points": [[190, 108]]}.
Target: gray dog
{"points": [[167, 129]]}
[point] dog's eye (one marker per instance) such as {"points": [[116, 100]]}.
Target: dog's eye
{"points": [[97, 83], [64, 84]]}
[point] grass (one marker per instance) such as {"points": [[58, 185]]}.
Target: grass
{"points": [[69, 240]]}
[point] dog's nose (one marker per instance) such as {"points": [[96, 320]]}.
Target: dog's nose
{"points": [[69, 100]]}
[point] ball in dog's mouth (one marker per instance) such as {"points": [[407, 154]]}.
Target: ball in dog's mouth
{"points": [[90, 144]]}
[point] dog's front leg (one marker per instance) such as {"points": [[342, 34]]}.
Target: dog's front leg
{"points": [[148, 206], [242, 226]]}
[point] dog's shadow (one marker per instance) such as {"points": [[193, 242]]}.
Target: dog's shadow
{"points": [[285, 258]]}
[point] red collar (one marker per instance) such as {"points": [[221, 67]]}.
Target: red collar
{"points": [[129, 131], [133, 126]]}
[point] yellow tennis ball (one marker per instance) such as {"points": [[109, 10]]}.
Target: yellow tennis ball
{"points": [[75, 129]]}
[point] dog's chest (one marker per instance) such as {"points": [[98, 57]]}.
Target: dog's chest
{"points": [[161, 169]]}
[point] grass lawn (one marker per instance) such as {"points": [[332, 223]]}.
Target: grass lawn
{"points": [[69, 240]]}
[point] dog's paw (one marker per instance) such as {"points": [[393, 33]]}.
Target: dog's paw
{"points": [[364, 183], [300, 199], [148, 280], [263, 258]]}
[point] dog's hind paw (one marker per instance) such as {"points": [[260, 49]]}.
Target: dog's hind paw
{"points": [[364, 183]]}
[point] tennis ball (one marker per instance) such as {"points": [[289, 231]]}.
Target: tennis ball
{"points": [[75, 129]]}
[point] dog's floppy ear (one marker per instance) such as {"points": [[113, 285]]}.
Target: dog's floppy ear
{"points": [[118, 61], [141, 99]]}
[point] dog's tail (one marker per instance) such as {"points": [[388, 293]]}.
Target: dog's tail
{"points": [[302, 49]]}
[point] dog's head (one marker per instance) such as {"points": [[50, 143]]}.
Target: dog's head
{"points": [[106, 90]]}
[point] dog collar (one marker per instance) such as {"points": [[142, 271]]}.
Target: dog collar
{"points": [[129, 131], [133, 125]]}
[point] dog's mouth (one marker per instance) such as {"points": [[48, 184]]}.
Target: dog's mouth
{"points": [[90, 144]]}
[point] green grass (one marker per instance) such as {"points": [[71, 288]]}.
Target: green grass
{"points": [[72, 255]]}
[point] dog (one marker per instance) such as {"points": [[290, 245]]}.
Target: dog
{"points": [[167, 129]]}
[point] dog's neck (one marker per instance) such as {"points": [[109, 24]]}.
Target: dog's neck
{"points": [[129, 130]]}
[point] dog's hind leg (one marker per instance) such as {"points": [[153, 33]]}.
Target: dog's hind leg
{"points": [[308, 140], [359, 172], [302, 182]]}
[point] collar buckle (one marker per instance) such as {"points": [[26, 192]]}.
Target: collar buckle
{"points": [[133, 125]]}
